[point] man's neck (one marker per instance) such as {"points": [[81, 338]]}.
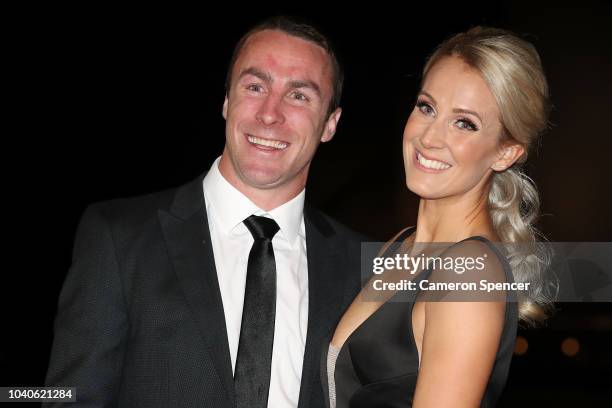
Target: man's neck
{"points": [[265, 198]]}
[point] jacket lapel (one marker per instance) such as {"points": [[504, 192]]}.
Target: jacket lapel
{"points": [[325, 297], [187, 236]]}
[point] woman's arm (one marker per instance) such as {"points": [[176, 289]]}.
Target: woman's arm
{"points": [[460, 342], [461, 338]]}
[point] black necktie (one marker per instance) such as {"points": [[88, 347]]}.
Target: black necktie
{"points": [[254, 359]]}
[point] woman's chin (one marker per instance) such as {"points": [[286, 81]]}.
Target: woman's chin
{"points": [[423, 191]]}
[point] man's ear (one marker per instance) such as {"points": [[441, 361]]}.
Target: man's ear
{"points": [[330, 125], [225, 108], [507, 156]]}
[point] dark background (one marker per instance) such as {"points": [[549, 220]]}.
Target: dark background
{"points": [[113, 102]]}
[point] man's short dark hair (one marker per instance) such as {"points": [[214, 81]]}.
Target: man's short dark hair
{"points": [[291, 26]]}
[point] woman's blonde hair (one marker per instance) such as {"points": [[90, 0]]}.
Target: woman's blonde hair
{"points": [[512, 69]]}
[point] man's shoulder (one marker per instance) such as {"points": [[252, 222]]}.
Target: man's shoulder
{"points": [[139, 210], [329, 224], [135, 208]]}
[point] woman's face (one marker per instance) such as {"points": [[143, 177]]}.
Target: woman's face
{"points": [[452, 137]]}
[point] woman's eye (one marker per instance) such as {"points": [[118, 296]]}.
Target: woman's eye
{"points": [[425, 108], [466, 124]]}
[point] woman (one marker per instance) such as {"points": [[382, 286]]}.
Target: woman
{"points": [[482, 104]]}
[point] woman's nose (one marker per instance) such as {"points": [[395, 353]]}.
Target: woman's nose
{"points": [[433, 136]]}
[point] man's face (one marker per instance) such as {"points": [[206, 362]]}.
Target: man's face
{"points": [[276, 111]]}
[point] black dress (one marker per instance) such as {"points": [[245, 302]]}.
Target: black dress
{"points": [[378, 364]]}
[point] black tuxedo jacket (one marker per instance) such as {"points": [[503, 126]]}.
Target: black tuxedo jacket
{"points": [[140, 320]]}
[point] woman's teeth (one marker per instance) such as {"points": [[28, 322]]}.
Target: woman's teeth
{"points": [[268, 143], [431, 164]]}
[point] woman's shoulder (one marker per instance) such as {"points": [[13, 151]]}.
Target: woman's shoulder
{"points": [[403, 235], [395, 243], [467, 270], [492, 255]]}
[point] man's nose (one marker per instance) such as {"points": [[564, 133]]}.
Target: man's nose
{"points": [[270, 112]]}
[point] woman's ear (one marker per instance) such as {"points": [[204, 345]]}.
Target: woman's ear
{"points": [[507, 156]]}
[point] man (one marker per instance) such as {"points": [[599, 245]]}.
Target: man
{"points": [[223, 292]]}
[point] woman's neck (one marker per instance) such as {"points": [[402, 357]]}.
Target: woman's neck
{"points": [[453, 219]]}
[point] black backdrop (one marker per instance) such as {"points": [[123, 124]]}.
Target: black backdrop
{"points": [[107, 102]]}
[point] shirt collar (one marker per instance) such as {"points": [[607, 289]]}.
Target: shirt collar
{"points": [[230, 207]]}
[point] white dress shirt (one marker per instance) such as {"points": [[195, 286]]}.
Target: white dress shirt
{"points": [[226, 208]]}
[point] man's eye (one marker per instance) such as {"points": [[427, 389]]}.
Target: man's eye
{"points": [[467, 125], [299, 96], [425, 108], [255, 87]]}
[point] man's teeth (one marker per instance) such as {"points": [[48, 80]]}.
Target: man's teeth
{"points": [[268, 143], [432, 164]]}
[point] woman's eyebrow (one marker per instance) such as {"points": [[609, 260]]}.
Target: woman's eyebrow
{"points": [[429, 96], [470, 112]]}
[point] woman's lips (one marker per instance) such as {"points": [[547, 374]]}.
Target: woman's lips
{"points": [[429, 166]]}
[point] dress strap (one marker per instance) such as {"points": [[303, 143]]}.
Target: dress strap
{"points": [[398, 239]]}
